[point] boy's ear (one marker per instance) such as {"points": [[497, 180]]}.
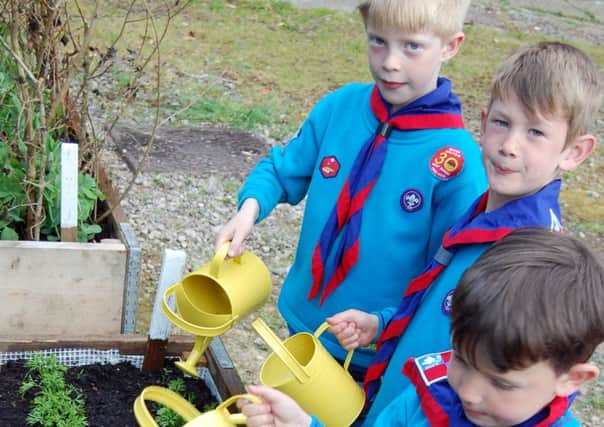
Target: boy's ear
{"points": [[451, 46], [577, 151], [576, 376]]}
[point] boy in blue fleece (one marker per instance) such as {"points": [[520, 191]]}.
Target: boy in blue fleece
{"points": [[386, 167], [526, 318], [543, 101]]}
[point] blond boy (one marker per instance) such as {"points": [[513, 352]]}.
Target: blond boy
{"points": [[385, 168]]}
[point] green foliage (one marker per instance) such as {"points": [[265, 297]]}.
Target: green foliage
{"points": [[229, 111], [56, 404], [13, 166], [166, 417], [13, 204]]}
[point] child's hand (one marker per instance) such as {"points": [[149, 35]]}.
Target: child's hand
{"points": [[277, 409], [353, 328], [238, 228]]}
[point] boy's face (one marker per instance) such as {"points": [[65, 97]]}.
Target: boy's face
{"points": [[494, 399], [521, 153], [406, 66]]}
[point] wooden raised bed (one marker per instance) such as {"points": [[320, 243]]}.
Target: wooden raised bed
{"points": [[69, 288], [217, 361]]}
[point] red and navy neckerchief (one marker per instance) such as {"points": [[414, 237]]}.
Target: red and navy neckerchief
{"points": [[443, 408], [476, 226], [436, 110]]}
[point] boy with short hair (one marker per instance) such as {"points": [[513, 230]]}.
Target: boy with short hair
{"points": [[543, 100], [386, 168], [526, 318]]}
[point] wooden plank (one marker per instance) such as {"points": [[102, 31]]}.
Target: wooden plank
{"points": [[61, 288], [172, 268], [228, 382], [125, 344], [104, 182]]}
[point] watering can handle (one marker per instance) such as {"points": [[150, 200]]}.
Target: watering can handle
{"points": [[239, 418], [280, 350], [219, 258], [167, 398], [188, 326], [324, 326]]}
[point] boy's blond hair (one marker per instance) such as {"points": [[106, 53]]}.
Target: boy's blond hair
{"points": [[553, 78], [442, 17]]}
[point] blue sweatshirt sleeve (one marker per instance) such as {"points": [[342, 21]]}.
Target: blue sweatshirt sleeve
{"points": [[284, 175], [315, 422], [384, 316]]}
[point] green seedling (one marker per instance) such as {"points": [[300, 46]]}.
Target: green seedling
{"points": [[56, 404]]}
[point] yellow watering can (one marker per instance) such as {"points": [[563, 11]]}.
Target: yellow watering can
{"points": [[303, 369], [212, 298], [218, 417]]}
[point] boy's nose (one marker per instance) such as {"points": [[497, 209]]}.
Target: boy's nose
{"points": [[509, 146], [392, 62]]}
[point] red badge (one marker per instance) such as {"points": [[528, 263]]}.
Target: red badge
{"points": [[329, 167], [446, 162]]}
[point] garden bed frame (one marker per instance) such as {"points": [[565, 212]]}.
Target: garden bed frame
{"points": [[217, 360], [72, 288]]}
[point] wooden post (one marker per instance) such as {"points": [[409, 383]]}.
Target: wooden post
{"points": [[69, 192], [173, 264]]}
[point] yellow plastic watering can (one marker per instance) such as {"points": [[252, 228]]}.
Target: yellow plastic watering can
{"points": [[218, 417], [303, 369], [212, 298]]}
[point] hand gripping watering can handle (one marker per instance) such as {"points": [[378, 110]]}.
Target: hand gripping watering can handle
{"points": [[324, 326], [280, 350], [167, 398], [219, 258], [239, 418]]}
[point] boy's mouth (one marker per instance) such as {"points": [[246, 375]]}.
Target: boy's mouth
{"points": [[392, 85], [472, 413], [502, 170]]}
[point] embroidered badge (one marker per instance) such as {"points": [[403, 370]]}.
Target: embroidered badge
{"points": [[446, 163], [447, 303], [432, 367], [329, 167], [412, 200], [555, 224]]}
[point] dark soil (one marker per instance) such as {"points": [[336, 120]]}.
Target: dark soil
{"points": [[206, 150], [108, 390]]}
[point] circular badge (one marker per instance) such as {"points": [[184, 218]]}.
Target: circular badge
{"points": [[329, 166], [447, 303], [446, 162], [412, 200]]}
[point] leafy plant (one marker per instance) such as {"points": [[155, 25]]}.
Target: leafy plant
{"points": [[49, 72], [56, 404], [166, 417]]}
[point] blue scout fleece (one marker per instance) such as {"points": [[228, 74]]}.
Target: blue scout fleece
{"points": [[429, 329], [415, 200]]}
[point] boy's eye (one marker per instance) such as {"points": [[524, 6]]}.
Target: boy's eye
{"points": [[500, 123], [501, 385], [412, 46], [377, 41], [535, 132]]}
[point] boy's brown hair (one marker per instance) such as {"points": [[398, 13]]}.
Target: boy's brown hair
{"points": [[442, 17], [533, 296], [553, 78]]}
